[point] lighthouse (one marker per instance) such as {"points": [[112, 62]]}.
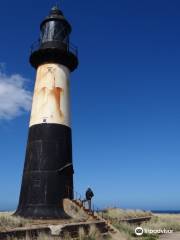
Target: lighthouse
{"points": [[48, 168]]}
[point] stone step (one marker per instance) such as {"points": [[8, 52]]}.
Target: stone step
{"points": [[108, 225]]}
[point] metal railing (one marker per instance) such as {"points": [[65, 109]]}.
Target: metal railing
{"points": [[79, 197], [70, 46]]}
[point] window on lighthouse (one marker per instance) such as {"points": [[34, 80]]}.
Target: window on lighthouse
{"points": [[54, 31]]}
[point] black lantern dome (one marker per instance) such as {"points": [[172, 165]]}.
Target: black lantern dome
{"points": [[54, 45]]}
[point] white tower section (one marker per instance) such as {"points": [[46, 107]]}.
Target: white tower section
{"points": [[51, 95]]}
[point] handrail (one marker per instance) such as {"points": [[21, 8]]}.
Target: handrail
{"points": [[78, 197], [70, 46]]}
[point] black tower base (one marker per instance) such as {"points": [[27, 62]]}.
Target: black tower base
{"points": [[48, 172], [41, 212]]}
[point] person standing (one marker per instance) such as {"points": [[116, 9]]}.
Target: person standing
{"points": [[89, 196]]}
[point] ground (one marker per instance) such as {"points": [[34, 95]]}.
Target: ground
{"points": [[115, 215]]}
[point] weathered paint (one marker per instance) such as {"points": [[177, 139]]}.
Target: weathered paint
{"points": [[51, 95], [48, 172]]}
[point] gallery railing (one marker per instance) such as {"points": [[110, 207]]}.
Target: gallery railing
{"points": [[70, 47]]}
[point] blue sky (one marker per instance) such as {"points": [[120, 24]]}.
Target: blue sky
{"points": [[125, 99]]}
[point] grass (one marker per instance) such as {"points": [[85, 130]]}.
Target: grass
{"points": [[161, 221], [158, 221], [93, 234], [8, 221], [129, 231], [124, 214]]}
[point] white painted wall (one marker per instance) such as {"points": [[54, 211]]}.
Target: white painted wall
{"points": [[51, 95]]}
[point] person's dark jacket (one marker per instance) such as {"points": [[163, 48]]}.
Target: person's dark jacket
{"points": [[89, 194]]}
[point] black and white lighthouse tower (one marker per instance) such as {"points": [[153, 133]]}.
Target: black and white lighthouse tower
{"points": [[48, 169]]}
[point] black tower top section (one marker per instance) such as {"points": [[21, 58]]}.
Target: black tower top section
{"points": [[54, 45]]}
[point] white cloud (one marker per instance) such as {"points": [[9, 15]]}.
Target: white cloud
{"points": [[15, 99]]}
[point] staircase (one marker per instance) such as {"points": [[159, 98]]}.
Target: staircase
{"points": [[110, 228]]}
